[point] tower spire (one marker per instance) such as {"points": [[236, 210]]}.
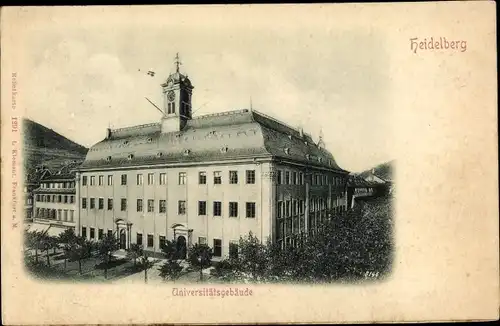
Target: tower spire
{"points": [[177, 62]]}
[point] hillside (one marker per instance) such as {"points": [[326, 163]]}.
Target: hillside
{"points": [[45, 147]]}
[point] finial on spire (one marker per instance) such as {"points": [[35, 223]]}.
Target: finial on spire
{"points": [[177, 62], [251, 107], [321, 143]]}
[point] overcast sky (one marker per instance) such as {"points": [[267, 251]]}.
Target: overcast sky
{"points": [[91, 74]]}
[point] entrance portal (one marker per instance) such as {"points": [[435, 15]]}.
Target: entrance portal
{"points": [[181, 246], [123, 241]]}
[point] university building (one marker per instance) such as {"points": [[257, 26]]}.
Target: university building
{"points": [[207, 179]]}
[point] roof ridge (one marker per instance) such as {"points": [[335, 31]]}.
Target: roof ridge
{"points": [[221, 114], [276, 120], [136, 127]]}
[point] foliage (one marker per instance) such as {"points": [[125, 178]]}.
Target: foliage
{"points": [[105, 249], [350, 247], [135, 252], [200, 256], [171, 269], [79, 250], [170, 250], [145, 263]]}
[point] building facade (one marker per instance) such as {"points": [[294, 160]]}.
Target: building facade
{"points": [[208, 179], [55, 202]]}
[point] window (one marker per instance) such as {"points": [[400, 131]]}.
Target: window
{"points": [[202, 178], [84, 180], [202, 240], [182, 207], [110, 204], [92, 233], [202, 208], [151, 178], [295, 180], [217, 247], [123, 204], [92, 203], [233, 249], [163, 178], [233, 177], [84, 203], [139, 179], [92, 180], [101, 203], [65, 199], [301, 178], [150, 240], [287, 208], [182, 178], [71, 199], [233, 209], [151, 205], [71, 215], [217, 208], [101, 180], [59, 214], [250, 210], [217, 178], [84, 231], [139, 205], [110, 180], [110, 233], [171, 107], [280, 209], [59, 198], [250, 176], [278, 181], [139, 239], [100, 234], [124, 179], [287, 177], [163, 206], [161, 239]]}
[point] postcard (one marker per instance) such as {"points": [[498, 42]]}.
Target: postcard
{"points": [[321, 163]]}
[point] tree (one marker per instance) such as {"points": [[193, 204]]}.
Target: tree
{"points": [[171, 269], [226, 270], [169, 249], [67, 239], [145, 264], [135, 252], [79, 250], [33, 241], [252, 256], [105, 249], [46, 243], [200, 255]]}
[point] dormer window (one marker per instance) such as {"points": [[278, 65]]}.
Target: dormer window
{"points": [[290, 137], [159, 154], [287, 150], [308, 156], [125, 142], [130, 156], [306, 143], [186, 152], [320, 159], [223, 149], [108, 158], [150, 140]]}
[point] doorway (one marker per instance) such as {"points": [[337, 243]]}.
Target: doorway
{"points": [[181, 247], [123, 241]]}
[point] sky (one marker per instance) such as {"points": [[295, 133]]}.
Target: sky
{"points": [[331, 79]]}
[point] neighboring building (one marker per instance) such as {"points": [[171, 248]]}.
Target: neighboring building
{"points": [[208, 179], [55, 203]]}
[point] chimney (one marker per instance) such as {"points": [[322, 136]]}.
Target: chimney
{"points": [[108, 133], [373, 171], [301, 132]]}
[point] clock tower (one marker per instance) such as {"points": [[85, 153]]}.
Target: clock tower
{"points": [[177, 92]]}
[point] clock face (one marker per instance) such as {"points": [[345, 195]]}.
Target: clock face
{"points": [[171, 96]]}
